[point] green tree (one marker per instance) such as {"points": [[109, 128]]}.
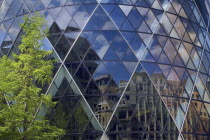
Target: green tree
{"points": [[20, 97]]}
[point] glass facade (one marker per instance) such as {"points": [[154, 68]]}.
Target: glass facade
{"points": [[126, 69]]}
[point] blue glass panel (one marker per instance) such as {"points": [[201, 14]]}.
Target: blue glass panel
{"points": [[114, 68], [135, 21], [119, 41], [110, 55], [108, 8], [81, 17], [118, 16], [100, 45], [97, 20], [109, 35], [129, 56], [55, 3], [89, 7], [128, 36], [127, 26]]}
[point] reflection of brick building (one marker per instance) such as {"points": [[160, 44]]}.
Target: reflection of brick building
{"points": [[197, 117], [140, 102], [104, 108]]}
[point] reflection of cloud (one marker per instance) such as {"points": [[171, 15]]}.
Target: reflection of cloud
{"points": [[109, 26], [100, 45], [63, 19], [81, 17], [3, 9], [126, 9]]}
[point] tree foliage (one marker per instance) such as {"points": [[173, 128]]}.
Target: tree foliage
{"points": [[20, 97]]}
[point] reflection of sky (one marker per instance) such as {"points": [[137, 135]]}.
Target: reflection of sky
{"points": [[63, 19], [3, 9], [2, 33], [100, 45], [81, 17], [47, 45], [118, 71]]}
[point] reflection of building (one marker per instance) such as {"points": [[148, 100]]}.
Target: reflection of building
{"points": [[127, 66]]}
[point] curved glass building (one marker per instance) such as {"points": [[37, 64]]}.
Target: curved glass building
{"points": [[126, 69]]}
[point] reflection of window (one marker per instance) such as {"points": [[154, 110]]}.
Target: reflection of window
{"points": [[103, 121], [99, 118], [156, 81], [196, 104], [122, 115], [161, 88], [99, 107]]}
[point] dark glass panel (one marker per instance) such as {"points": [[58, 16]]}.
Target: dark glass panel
{"points": [[62, 47], [82, 77]]}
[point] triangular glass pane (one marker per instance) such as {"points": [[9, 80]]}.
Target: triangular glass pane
{"points": [[98, 19], [75, 124], [55, 3], [165, 69], [161, 39], [61, 21], [156, 5], [151, 21], [91, 55], [160, 30], [110, 55], [23, 10], [81, 17], [119, 41], [148, 67], [154, 48], [143, 11], [129, 56], [127, 26], [39, 6], [90, 7], [82, 77], [108, 7], [109, 25], [100, 45], [171, 17], [141, 3], [93, 131], [128, 36], [136, 22], [54, 11], [145, 37], [144, 28], [163, 58], [170, 51], [54, 28], [126, 9], [62, 47], [147, 56], [118, 16], [72, 9], [137, 46]]}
